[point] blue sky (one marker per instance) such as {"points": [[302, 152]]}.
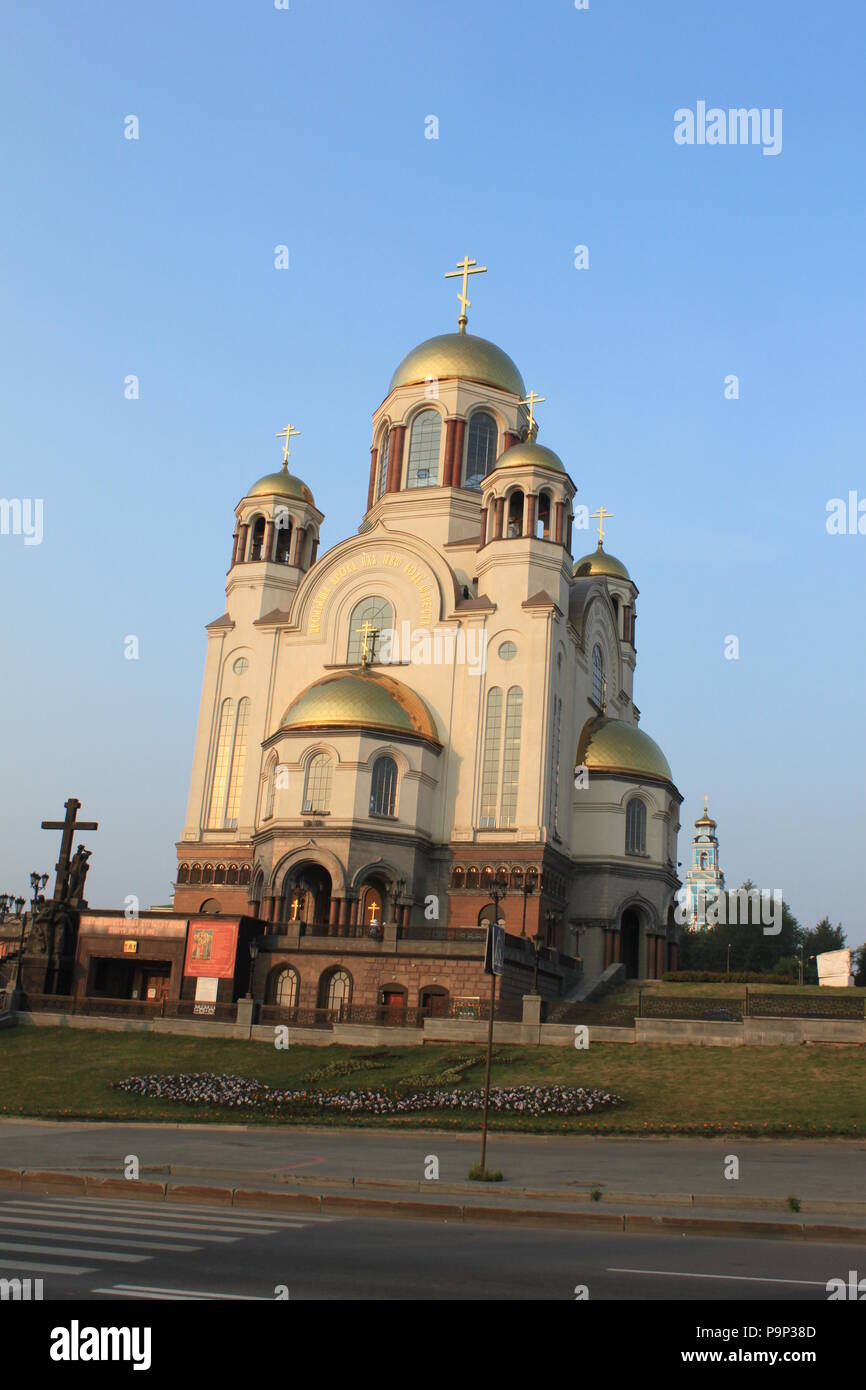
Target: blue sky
{"points": [[260, 127]]}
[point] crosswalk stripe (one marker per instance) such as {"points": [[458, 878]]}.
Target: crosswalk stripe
{"points": [[42, 1268], [187, 1295], [169, 1244], [183, 1212], [28, 1249], [112, 1228], [166, 1216]]}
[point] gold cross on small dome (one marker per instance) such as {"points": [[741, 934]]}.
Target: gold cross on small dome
{"points": [[601, 514], [288, 434], [532, 400], [465, 268]]}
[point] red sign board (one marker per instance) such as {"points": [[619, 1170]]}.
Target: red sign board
{"points": [[211, 948]]}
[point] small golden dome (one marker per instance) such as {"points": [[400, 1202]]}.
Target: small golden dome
{"points": [[611, 745], [530, 455], [283, 484], [600, 563], [463, 355], [361, 699]]}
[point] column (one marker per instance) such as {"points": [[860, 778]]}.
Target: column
{"points": [[242, 543], [457, 455], [297, 544], [498, 515], [558, 525], [617, 947], [314, 551], [482, 539], [344, 917], [530, 503], [235, 539], [333, 916], [268, 543], [395, 457], [569, 525], [608, 947], [371, 490]]}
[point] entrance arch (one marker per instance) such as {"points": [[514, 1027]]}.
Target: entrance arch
{"points": [[306, 895], [630, 956]]}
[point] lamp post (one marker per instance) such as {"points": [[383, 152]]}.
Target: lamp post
{"points": [[254, 951], [19, 905], [497, 893], [529, 884], [537, 948]]}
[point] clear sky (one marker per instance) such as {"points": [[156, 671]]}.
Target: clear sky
{"points": [[306, 127]]}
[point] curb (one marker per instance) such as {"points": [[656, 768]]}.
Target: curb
{"points": [[324, 1203]]}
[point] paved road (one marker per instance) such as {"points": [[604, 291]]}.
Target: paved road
{"points": [[804, 1168], [96, 1249]]}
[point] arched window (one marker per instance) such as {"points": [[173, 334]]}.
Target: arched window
{"points": [[220, 874], [383, 790], [270, 788], [284, 537], [635, 827], [472, 878], [335, 990], [457, 878], [597, 676], [481, 444], [490, 766], [257, 538], [195, 874], [511, 757], [542, 523], [317, 787], [183, 874], [286, 989], [384, 452], [229, 765], [379, 614], [703, 861], [514, 520], [423, 468]]}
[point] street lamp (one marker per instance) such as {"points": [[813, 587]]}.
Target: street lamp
{"points": [[19, 905], [254, 951], [537, 947], [529, 885]]}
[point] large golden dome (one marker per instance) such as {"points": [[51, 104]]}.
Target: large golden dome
{"points": [[600, 563], [459, 354], [530, 455], [362, 699], [283, 484], [611, 745]]}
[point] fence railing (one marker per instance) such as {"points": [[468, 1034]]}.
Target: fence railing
{"points": [[827, 1006]]}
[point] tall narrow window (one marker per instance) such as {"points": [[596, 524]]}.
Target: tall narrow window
{"points": [[216, 813], [270, 788], [511, 756], [378, 614], [597, 676], [492, 749], [384, 451], [423, 468], [635, 827], [239, 757], [317, 790], [383, 789], [481, 442], [284, 538], [554, 766], [257, 538]]}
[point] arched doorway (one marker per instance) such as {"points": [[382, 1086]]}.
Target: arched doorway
{"points": [[630, 929], [372, 905], [306, 896]]}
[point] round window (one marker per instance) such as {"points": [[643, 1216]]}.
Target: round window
{"points": [[240, 666], [508, 651]]}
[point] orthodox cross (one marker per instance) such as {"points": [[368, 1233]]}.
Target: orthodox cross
{"points": [[288, 434], [532, 400], [367, 630], [373, 909], [464, 268], [296, 903], [69, 827], [601, 514], [706, 799]]}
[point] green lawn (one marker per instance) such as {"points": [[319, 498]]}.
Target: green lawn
{"points": [[58, 1073]]}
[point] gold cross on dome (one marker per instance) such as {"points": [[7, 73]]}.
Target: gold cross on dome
{"points": [[367, 630], [706, 799], [532, 400], [464, 268], [601, 514], [288, 434]]}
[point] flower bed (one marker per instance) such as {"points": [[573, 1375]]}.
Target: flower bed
{"points": [[243, 1092]]}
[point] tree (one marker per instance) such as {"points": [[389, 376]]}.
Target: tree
{"points": [[821, 938]]}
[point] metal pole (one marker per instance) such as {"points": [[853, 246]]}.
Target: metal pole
{"points": [[487, 1074]]}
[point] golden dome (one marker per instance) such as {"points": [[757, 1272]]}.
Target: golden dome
{"points": [[530, 455], [459, 354], [611, 745], [284, 484], [361, 699], [600, 563]]}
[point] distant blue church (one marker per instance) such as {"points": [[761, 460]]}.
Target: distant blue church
{"points": [[704, 880]]}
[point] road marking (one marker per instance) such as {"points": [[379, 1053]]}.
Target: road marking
{"points": [[67, 1250], [44, 1268], [113, 1229], [151, 1291], [177, 1210], [169, 1244], [738, 1278], [163, 1216]]}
